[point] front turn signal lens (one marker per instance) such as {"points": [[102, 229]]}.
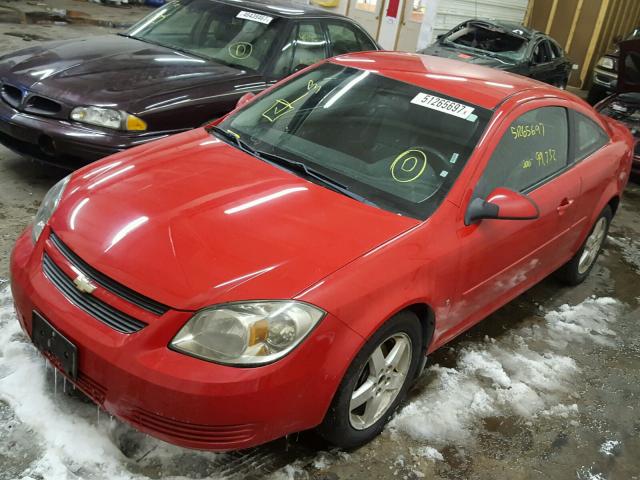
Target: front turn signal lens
{"points": [[135, 124]]}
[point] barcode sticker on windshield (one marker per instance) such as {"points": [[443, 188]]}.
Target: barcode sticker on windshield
{"points": [[443, 105], [256, 17]]}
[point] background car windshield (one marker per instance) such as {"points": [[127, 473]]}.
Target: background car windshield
{"points": [[393, 143], [480, 36], [212, 30]]}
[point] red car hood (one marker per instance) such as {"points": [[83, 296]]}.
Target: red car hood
{"points": [[190, 221]]}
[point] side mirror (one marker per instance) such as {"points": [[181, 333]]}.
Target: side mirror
{"points": [[502, 204], [244, 99]]}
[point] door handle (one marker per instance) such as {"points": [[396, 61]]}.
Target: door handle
{"points": [[564, 205]]}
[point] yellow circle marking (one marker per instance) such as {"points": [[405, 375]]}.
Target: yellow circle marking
{"points": [[240, 50], [409, 161]]}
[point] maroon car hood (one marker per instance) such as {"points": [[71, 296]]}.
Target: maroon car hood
{"points": [[629, 66], [190, 221], [111, 69]]}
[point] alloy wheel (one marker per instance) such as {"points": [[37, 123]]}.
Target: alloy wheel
{"points": [[592, 246], [380, 381]]}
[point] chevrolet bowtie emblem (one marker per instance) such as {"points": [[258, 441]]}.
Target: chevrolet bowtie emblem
{"points": [[83, 284]]}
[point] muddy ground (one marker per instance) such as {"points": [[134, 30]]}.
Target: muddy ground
{"points": [[546, 388]]}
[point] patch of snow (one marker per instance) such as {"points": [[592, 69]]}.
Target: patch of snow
{"points": [[524, 373], [293, 471], [59, 422], [630, 250], [560, 410], [609, 447], [586, 473], [429, 453], [322, 462]]}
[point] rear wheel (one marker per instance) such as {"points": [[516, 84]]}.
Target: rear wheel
{"points": [[577, 269], [375, 383]]}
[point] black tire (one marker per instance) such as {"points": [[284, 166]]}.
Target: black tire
{"points": [[336, 427], [570, 272]]}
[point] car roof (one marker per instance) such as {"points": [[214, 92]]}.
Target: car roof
{"points": [[283, 8], [516, 28], [482, 86]]}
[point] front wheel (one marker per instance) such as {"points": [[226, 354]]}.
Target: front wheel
{"points": [[577, 269], [375, 383]]}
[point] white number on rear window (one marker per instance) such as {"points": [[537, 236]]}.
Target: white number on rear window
{"points": [[442, 105]]}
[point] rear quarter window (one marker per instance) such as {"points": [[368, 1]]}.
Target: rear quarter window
{"points": [[588, 135]]}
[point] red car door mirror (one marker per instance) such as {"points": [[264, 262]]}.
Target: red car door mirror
{"points": [[244, 99], [502, 204]]}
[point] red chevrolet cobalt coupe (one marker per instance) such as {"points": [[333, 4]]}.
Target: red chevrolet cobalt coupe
{"points": [[291, 266]]}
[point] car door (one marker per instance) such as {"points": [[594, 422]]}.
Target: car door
{"points": [[594, 158], [542, 64], [561, 65], [305, 45], [502, 258]]}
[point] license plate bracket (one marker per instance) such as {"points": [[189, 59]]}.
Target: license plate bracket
{"points": [[55, 346]]}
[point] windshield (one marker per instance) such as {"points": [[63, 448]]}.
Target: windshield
{"points": [[394, 144], [211, 30], [488, 38]]}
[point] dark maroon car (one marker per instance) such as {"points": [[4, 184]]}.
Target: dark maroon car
{"points": [[71, 102], [624, 105]]}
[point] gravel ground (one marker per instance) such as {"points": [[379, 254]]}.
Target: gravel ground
{"points": [[546, 388]]}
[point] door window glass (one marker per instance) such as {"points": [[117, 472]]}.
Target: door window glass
{"points": [[589, 136], [305, 46], [344, 40], [533, 148], [541, 54]]}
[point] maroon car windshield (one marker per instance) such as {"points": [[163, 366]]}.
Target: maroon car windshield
{"points": [[391, 143], [211, 30]]}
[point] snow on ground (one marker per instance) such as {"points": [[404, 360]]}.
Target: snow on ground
{"points": [[523, 373], [610, 447], [630, 249], [72, 442]]}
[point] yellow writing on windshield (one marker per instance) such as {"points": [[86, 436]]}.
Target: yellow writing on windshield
{"points": [[240, 50], [409, 165], [282, 106]]}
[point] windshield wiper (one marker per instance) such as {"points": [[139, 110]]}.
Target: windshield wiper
{"points": [[233, 138], [292, 165], [160, 44], [312, 173]]}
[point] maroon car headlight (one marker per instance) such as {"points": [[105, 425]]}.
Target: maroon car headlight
{"points": [[247, 333], [48, 206], [109, 118]]}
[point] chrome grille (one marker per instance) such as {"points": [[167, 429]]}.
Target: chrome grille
{"points": [[95, 307], [105, 282]]}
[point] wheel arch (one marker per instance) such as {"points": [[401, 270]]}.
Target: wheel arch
{"points": [[614, 203], [427, 319]]}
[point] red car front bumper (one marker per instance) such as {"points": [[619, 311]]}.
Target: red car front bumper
{"points": [[177, 398]]}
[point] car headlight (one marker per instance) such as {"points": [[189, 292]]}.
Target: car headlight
{"points": [[109, 118], [47, 207], [606, 62], [247, 333]]}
